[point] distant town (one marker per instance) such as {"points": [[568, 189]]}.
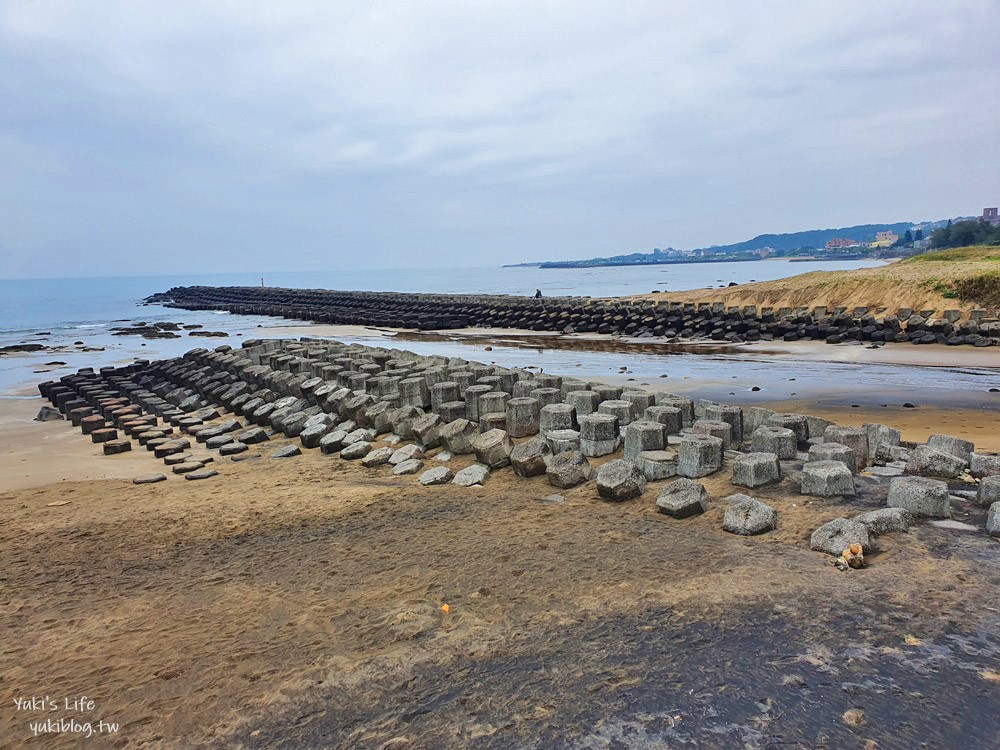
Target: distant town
{"points": [[898, 240]]}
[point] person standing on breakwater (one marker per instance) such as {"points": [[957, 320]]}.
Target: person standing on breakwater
{"points": [[538, 294]]}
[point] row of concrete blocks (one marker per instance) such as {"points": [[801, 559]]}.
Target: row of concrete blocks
{"points": [[713, 428], [829, 471], [525, 415], [499, 304], [634, 318]]}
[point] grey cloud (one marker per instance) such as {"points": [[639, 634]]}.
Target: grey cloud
{"points": [[182, 133]]}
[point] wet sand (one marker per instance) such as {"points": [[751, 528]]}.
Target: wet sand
{"points": [[38, 453], [930, 355]]}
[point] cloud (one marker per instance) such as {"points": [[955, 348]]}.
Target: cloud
{"points": [[630, 123]]}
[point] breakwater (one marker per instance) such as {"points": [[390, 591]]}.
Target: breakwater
{"points": [[631, 317]]}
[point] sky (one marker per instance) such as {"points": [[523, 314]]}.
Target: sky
{"points": [[174, 137]]}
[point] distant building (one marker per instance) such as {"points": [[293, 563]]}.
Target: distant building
{"points": [[840, 242], [884, 239], [990, 216]]}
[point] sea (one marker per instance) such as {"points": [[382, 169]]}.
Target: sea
{"points": [[75, 318]]}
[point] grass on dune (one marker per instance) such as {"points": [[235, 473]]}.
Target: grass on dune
{"points": [[957, 255]]}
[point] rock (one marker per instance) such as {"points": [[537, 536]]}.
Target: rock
{"points": [[920, 496], [989, 491], [569, 469], [311, 435], [732, 415], [359, 435], [926, 461], [778, 440], [670, 417], [471, 475], [657, 465], [756, 469], [356, 450], [406, 453], [885, 471], [332, 442], [839, 534], [983, 465], [457, 436], [699, 455], [187, 467], [427, 430], [599, 433], [797, 423], [855, 438], [287, 452], [529, 458], [104, 435], [621, 410], [951, 525], [827, 479], [149, 479], [523, 416], [48, 414], [409, 466], [231, 449], [993, 520], [378, 457], [683, 498], [252, 436], [642, 435], [114, 447], [555, 417], [443, 456], [748, 516], [176, 458], [201, 474], [560, 441], [721, 430], [833, 452], [954, 446], [218, 441], [885, 520], [437, 475], [620, 480], [493, 448]]}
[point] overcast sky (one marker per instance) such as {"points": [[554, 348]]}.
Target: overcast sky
{"points": [[157, 137]]}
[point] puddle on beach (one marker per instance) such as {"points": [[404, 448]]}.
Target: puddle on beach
{"points": [[711, 370]]}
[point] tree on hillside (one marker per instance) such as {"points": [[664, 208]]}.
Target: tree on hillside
{"points": [[964, 233], [919, 235], [906, 239]]}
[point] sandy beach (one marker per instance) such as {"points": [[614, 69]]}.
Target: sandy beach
{"points": [[300, 604], [311, 602]]}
